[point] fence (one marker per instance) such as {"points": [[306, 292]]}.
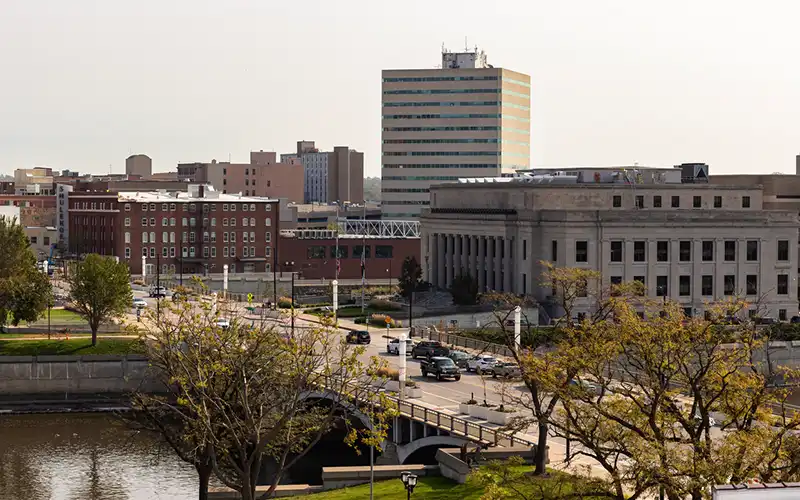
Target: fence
{"points": [[465, 342], [459, 425]]}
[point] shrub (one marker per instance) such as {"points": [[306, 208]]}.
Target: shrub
{"points": [[285, 303], [382, 320], [382, 305], [393, 374]]}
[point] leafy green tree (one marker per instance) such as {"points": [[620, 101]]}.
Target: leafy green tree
{"points": [[24, 290], [240, 396], [100, 290], [464, 289], [410, 276]]}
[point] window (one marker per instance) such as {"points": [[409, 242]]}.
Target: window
{"points": [[642, 284], [662, 251], [745, 202], [697, 201], [662, 289], [616, 280], [46, 240], [676, 202], [232, 207], [171, 207], [616, 251], [233, 237], [225, 207], [164, 237], [616, 201], [224, 251], [144, 221], [191, 237], [213, 250], [358, 250], [553, 251], [232, 252], [252, 222], [183, 237], [253, 205], [684, 286], [639, 201], [127, 207], [268, 252], [708, 251], [172, 221], [184, 221], [245, 238], [752, 250], [191, 252], [164, 251], [781, 312], [245, 221], [153, 221], [144, 209], [213, 237], [718, 202], [581, 251], [729, 284], [783, 284], [152, 237], [252, 237], [707, 285], [751, 281], [384, 251], [685, 251], [783, 250], [225, 222], [245, 252], [33, 239], [152, 252], [144, 251], [268, 237], [172, 252], [205, 236], [127, 222], [252, 251], [192, 222], [639, 251], [268, 222], [192, 207], [214, 220], [244, 207], [127, 253], [730, 250], [152, 207], [656, 201], [524, 249], [316, 252]]}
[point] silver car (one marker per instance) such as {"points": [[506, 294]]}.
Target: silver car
{"points": [[506, 370]]}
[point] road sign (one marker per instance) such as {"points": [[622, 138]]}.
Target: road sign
{"points": [[249, 298]]}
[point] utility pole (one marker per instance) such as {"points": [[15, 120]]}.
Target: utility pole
{"points": [[363, 263], [158, 288]]}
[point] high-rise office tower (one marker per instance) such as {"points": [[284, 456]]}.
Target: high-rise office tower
{"points": [[465, 119]]}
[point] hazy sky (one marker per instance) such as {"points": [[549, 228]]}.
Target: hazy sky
{"points": [[85, 83]]}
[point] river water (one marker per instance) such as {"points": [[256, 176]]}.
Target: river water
{"points": [[87, 457]]}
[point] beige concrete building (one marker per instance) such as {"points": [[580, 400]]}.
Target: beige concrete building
{"points": [[319, 216], [692, 242], [33, 181], [41, 239], [264, 176], [141, 165], [329, 176], [465, 119]]}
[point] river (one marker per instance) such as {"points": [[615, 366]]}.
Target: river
{"points": [[87, 457]]}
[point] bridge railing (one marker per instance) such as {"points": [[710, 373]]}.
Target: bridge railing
{"points": [[458, 425], [465, 342]]}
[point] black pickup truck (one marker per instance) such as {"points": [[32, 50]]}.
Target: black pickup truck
{"points": [[429, 349], [441, 367]]}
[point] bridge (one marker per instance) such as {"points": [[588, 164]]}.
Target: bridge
{"points": [[418, 426]]}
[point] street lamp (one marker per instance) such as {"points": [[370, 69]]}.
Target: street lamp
{"points": [[290, 265], [409, 481]]}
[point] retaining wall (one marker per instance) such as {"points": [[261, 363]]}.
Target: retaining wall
{"points": [[75, 375]]}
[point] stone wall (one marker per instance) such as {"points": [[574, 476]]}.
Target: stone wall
{"points": [[72, 376]]}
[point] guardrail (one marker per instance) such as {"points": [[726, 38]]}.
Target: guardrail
{"points": [[465, 342], [457, 425]]}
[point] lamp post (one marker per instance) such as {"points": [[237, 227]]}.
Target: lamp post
{"points": [[335, 284], [290, 265], [409, 482], [225, 281], [144, 269], [181, 263], [389, 274]]}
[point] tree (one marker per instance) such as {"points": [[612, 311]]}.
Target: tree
{"points": [[244, 394], [464, 289], [24, 290], [410, 276], [100, 290], [545, 358], [647, 388]]}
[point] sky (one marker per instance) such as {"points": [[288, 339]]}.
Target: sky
{"points": [[84, 84]]}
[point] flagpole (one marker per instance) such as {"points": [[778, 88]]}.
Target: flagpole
{"points": [[363, 253], [337, 240]]}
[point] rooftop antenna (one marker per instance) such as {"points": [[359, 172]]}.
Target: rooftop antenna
{"points": [[466, 45]]}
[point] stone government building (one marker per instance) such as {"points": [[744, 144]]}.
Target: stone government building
{"points": [[684, 238]]}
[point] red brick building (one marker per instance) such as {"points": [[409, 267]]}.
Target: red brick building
{"points": [[34, 210], [197, 231], [314, 255]]}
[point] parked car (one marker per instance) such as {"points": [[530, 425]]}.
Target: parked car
{"points": [[358, 337], [506, 370], [394, 346], [795, 319], [158, 291], [585, 385], [441, 367], [460, 358], [481, 363], [223, 323], [429, 349], [139, 303]]}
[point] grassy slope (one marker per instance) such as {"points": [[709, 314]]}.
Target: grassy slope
{"points": [[70, 347]]}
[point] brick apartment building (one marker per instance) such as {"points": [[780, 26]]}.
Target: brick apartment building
{"points": [[194, 232], [34, 210], [263, 176]]}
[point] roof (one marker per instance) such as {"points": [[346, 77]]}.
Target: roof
{"points": [[183, 197]]}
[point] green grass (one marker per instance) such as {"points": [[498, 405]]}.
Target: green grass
{"points": [[73, 347], [428, 488], [59, 316]]}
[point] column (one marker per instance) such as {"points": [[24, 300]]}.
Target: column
{"points": [[425, 253], [719, 269], [481, 263], [448, 238], [508, 267], [473, 256], [490, 262], [440, 260], [498, 263], [465, 254]]}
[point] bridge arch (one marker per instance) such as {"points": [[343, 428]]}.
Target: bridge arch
{"points": [[406, 450], [341, 402]]}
